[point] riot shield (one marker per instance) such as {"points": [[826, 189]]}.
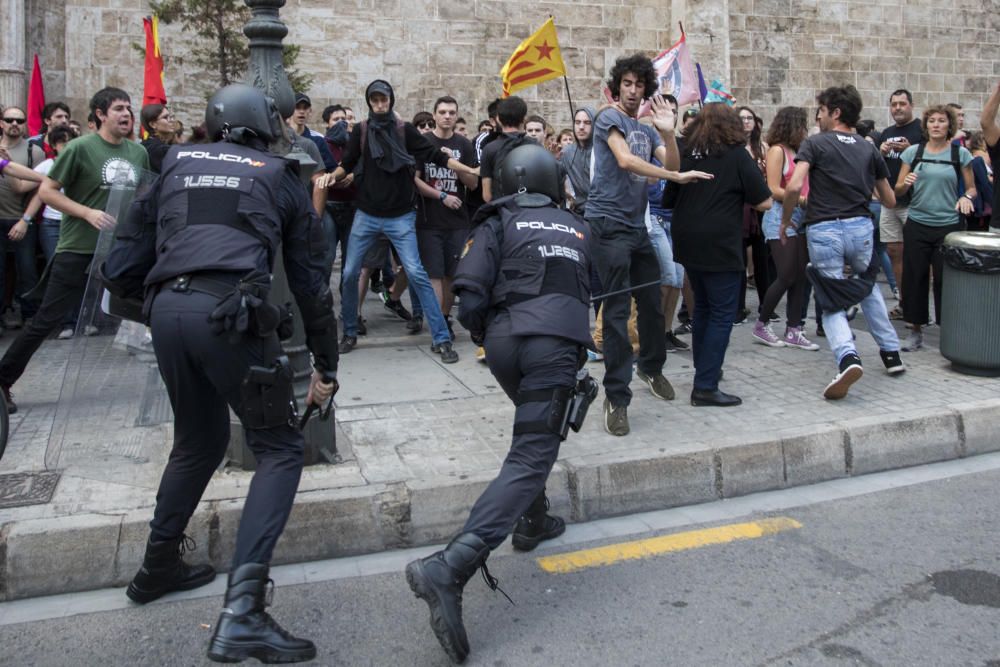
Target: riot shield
{"points": [[111, 421]]}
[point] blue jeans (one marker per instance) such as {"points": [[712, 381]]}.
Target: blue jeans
{"points": [[671, 273], [850, 241], [24, 258], [716, 296], [403, 237], [48, 236]]}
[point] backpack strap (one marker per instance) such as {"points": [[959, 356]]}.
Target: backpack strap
{"points": [[918, 157], [956, 162]]}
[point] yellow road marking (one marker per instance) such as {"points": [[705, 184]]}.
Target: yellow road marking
{"points": [[613, 553]]}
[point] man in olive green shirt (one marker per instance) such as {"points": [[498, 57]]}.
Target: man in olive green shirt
{"points": [[84, 172]]}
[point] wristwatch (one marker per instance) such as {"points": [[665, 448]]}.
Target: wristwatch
{"points": [[443, 196], [970, 198], [28, 219]]}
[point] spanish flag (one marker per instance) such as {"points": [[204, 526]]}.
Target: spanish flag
{"points": [[535, 60], [153, 91]]}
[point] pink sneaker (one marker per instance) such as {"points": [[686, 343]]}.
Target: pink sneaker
{"points": [[763, 334], [795, 338]]}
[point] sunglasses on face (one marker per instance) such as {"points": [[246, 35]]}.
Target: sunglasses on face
{"points": [[17, 121], [425, 126]]}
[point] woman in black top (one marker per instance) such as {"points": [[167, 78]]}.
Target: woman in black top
{"points": [[708, 236], [161, 132]]}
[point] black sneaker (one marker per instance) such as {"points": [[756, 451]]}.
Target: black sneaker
{"points": [[8, 398], [741, 317], [893, 364], [820, 333], [376, 281], [362, 327], [398, 309], [415, 325], [683, 329], [675, 344], [448, 355], [348, 343], [850, 372]]}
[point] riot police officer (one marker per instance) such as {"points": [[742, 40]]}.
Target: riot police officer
{"points": [[201, 245], [524, 285]]}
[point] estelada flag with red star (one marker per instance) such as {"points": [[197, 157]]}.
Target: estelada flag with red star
{"points": [[535, 60]]}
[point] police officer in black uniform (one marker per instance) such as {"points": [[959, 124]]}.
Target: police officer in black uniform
{"points": [[200, 246], [524, 285]]}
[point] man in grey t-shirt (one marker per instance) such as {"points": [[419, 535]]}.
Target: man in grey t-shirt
{"points": [[622, 252]]}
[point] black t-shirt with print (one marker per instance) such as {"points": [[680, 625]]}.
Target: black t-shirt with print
{"points": [[434, 214], [843, 168], [913, 133]]}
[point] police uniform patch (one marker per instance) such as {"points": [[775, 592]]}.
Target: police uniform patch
{"points": [[465, 250]]}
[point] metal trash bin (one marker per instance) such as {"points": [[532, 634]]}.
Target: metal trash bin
{"points": [[970, 303]]}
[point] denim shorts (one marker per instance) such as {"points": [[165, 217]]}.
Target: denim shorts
{"points": [[671, 273], [772, 221]]}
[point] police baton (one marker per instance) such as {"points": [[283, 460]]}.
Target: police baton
{"points": [[623, 291], [324, 413]]}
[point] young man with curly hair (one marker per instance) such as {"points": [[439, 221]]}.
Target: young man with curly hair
{"points": [[616, 211]]}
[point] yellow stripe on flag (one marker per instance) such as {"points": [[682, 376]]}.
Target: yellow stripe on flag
{"points": [[536, 59], [615, 553]]}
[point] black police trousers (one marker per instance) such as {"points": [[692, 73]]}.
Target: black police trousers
{"points": [[521, 363], [203, 373]]}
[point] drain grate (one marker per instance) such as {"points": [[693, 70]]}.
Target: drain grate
{"points": [[21, 489]]}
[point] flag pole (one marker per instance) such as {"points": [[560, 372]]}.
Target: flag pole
{"points": [[569, 99]]}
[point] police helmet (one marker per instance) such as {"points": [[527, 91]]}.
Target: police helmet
{"points": [[241, 106], [530, 168]]}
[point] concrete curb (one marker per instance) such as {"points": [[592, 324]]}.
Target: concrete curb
{"points": [[49, 556]]}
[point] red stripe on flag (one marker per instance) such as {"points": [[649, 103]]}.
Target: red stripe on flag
{"points": [[533, 75], [521, 65]]}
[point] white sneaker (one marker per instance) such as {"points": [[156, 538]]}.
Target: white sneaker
{"points": [[90, 330], [65, 334]]}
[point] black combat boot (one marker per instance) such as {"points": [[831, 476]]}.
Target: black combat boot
{"points": [[439, 578], [163, 570], [244, 630], [536, 525]]}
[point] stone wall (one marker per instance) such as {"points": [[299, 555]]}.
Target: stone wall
{"points": [[783, 51], [770, 52]]}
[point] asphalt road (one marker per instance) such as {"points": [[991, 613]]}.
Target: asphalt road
{"points": [[907, 576]]}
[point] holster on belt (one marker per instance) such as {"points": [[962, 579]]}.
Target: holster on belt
{"points": [[243, 308]]}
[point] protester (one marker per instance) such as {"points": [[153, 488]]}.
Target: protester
{"points": [[158, 123], [78, 186], [991, 133], [707, 230], [787, 132], [933, 174], [51, 219], [576, 158], [616, 213], [758, 274], [982, 169], [843, 169]]}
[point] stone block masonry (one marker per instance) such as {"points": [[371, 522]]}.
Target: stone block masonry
{"points": [[770, 53]]}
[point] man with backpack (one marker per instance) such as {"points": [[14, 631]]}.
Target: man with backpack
{"points": [[382, 152], [511, 113]]}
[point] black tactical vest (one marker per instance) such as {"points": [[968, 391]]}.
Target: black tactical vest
{"points": [[217, 211], [544, 276]]}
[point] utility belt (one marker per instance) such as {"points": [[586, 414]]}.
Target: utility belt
{"points": [[243, 307]]}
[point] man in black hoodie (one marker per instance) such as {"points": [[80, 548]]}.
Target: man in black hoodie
{"points": [[576, 157], [382, 152]]}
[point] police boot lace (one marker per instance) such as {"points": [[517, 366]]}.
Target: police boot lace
{"points": [[439, 579], [246, 630], [164, 570]]}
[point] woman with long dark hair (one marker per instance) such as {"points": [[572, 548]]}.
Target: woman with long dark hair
{"points": [[158, 123], [788, 130], [707, 231], [753, 128]]}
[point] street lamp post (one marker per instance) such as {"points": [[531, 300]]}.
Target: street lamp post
{"points": [[266, 72]]}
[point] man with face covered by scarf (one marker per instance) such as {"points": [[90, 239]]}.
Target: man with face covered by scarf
{"points": [[382, 153], [340, 199]]}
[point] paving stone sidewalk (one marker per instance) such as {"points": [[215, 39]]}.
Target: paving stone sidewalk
{"points": [[419, 440]]}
